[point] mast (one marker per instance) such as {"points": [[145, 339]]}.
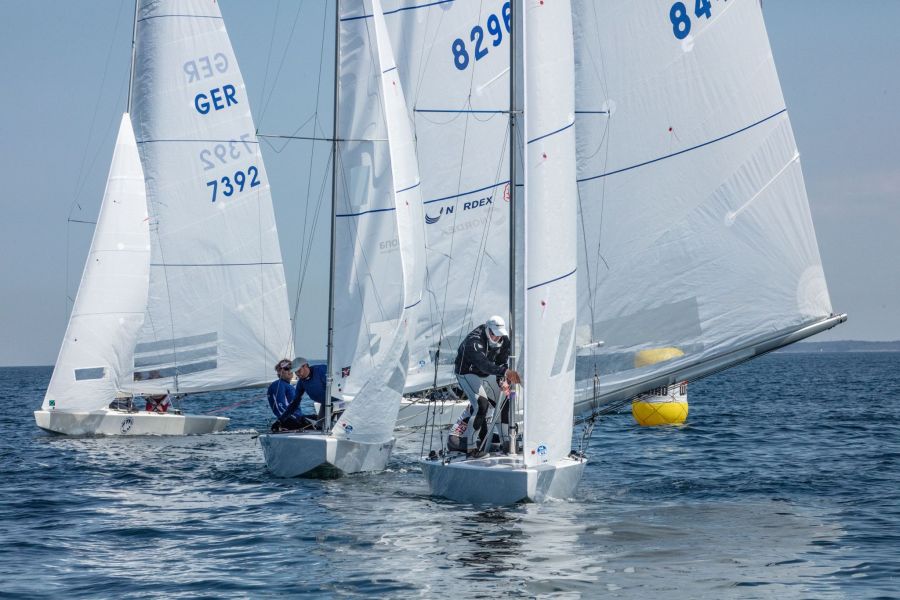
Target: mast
{"points": [[511, 398], [326, 427], [131, 72]]}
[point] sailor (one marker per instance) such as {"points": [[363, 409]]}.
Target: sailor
{"points": [[284, 399], [482, 365], [312, 381], [158, 403]]}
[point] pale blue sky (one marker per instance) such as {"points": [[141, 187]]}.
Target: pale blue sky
{"points": [[64, 68]]}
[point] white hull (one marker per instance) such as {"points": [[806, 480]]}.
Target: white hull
{"points": [[501, 480], [316, 454], [116, 422]]}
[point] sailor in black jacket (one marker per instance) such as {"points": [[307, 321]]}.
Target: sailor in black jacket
{"points": [[481, 362]]}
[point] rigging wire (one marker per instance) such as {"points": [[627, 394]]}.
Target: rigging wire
{"points": [[82, 176], [283, 57]]}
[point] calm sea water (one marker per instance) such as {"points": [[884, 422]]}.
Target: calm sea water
{"points": [[783, 484]]}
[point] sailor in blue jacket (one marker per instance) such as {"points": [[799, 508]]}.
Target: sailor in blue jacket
{"points": [[285, 401], [312, 381]]}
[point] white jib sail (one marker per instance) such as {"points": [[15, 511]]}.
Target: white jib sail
{"points": [[373, 412], [217, 315], [696, 226], [550, 237], [453, 62], [96, 353]]}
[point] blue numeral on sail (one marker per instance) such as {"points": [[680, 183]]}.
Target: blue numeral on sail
{"points": [[701, 9], [681, 23]]}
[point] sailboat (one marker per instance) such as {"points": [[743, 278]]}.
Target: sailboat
{"points": [[545, 466], [378, 252], [694, 232], [695, 235], [184, 288]]}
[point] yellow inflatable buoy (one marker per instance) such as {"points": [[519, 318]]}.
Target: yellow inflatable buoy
{"points": [[662, 406]]}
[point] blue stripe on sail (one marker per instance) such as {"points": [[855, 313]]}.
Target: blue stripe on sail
{"points": [[142, 19], [461, 194], [192, 340], [248, 264], [397, 10], [412, 305], [366, 212], [203, 141], [167, 372], [591, 112], [171, 357], [546, 135], [412, 187], [718, 139], [569, 274], [460, 111], [389, 70]]}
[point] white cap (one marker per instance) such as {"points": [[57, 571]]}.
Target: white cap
{"points": [[298, 362], [497, 326]]}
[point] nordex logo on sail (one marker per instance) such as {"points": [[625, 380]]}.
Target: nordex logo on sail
{"points": [[446, 210]]}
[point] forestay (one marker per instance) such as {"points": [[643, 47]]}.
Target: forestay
{"points": [[453, 61], [217, 315], [550, 238], [695, 227], [96, 354], [377, 291]]}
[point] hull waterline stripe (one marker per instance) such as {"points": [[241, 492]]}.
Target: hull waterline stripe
{"points": [[650, 162]]}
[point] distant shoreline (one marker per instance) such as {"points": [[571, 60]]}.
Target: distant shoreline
{"points": [[843, 346]]}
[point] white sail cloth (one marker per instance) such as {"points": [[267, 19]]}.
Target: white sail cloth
{"points": [[695, 227], [375, 297], [96, 353], [550, 238], [217, 314], [457, 92]]}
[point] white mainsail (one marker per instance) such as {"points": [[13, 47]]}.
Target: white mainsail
{"points": [[381, 288], [453, 61], [550, 238], [217, 314], [695, 227], [96, 354]]}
